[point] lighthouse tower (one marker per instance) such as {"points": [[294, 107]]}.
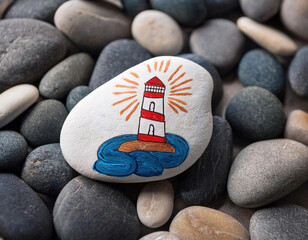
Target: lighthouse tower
{"points": [[152, 119]]}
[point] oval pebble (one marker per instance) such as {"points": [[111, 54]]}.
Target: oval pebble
{"points": [[110, 65], [162, 235], [213, 40], [269, 38], [75, 95], [13, 150], [158, 33], [201, 223], [133, 7], [92, 25], [298, 73], [23, 215], [46, 170], [217, 8], [15, 101], [265, 171], [42, 123], [260, 68], [155, 203], [260, 10], [206, 180], [294, 17], [188, 12], [281, 222], [297, 126], [30, 49], [71, 72], [256, 114], [86, 209]]}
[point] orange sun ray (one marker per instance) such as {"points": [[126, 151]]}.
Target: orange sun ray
{"points": [[161, 65], [155, 65], [149, 68], [177, 105], [123, 100], [117, 93], [180, 94], [167, 66], [174, 81], [130, 81], [181, 89], [134, 74], [124, 86], [177, 100], [128, 106], [131, 113], [173, 108], [172, 75], [182, 83]]}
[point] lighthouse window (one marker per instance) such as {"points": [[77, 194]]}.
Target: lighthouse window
{"points": [[152, 107], [151, 130]]}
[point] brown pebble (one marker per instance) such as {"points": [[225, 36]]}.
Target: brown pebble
{"points": [[297, 126]]}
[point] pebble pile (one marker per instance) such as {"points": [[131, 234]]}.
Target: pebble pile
{"points": [[251, 180]]}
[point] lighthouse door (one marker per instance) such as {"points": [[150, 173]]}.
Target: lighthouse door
{"points": [[151, 130], [152, 107]]}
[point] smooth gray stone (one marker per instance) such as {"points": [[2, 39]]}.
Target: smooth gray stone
{"points": [[218, 8], [71, 72], [133, 7], [46, 170], [23, 215], [87, 209], [75, 95], [284, 222], [28, 49]]}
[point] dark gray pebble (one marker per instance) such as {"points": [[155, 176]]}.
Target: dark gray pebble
{"points": [[133, 7], [87, 209], [206, 180], [260, 68], [218, 8], [28, 49], [23, 215], [75, 95], [298, 73], [46, 170], [117, 57], [13, 150], [256, 114], [71, 72], [42, 123]]}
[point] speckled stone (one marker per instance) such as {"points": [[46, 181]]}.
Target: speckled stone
{"points": [[13, 150], [187, 12], [133, 7], [256, 114], [281, 222], [201, 223], [86, 209], [75, 95], [217, 8], [298, 73], [162, 235], [297, 126], [71, 72], [213, 40], [260, 10], [265, 171], [260, 68]]}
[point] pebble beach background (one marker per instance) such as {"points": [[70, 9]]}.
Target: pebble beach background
{"points": [[250, 182]]}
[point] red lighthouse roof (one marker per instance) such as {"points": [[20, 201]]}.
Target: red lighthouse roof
{"points": [[155, 82]]}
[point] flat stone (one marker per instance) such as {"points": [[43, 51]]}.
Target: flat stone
{"points": [[187, 12], [262, 69], [87, 23], [133, 7], [158, 33], [269, 38], [218, 8], [155, 203], [213, 40], [41, 10], [23, 215], [42, 123], [265, 171], [28, 49], [256, 114], [297, 126], [161, 235], [206, 180], [282, 222], [15, 101], [71, 72], [75, 95], [86, 209], [260, 10], [298, 73], [46, 171], [13, 150], [295, 18], [109, 64], [147, 103], [201, 223]]}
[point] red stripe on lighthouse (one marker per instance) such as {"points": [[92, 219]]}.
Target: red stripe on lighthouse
{"points": [[152, 115], [153, 94], [151, 138]]}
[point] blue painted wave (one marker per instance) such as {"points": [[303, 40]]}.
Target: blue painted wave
{"points": [[142, 163]]}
